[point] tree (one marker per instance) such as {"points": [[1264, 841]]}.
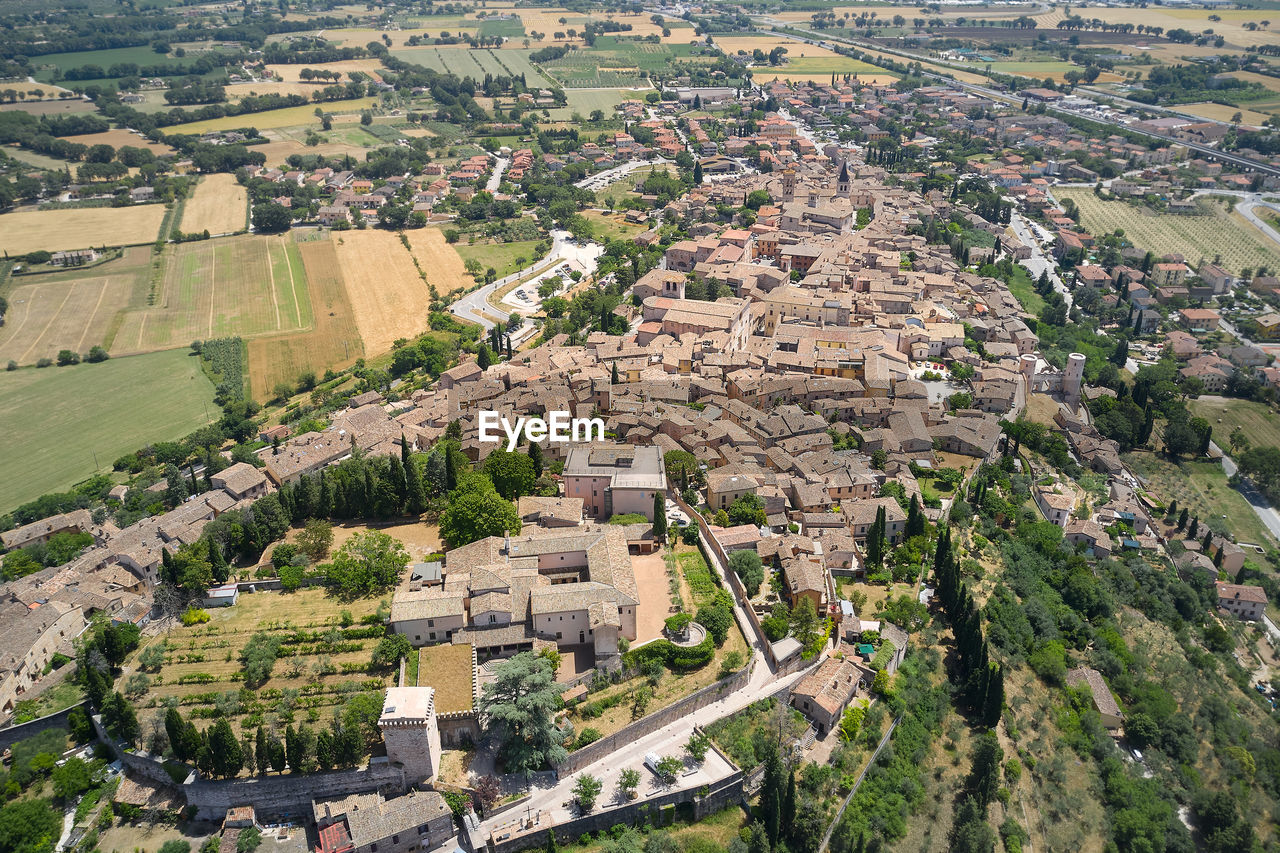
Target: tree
{"points": [[875, 540], [71, 779], [315, 539], [225, 749], [29, 826], [628, 781], [697, 746], [586, 790], [390, 650], [984, 772], [659, 517], [915, 519], [475, 512], [697, 174], [512, 474], [271, 218], [519, 707], [748, 566], [772, 791], [370, 562], [120, 719], [668, 768], [535, 457]]}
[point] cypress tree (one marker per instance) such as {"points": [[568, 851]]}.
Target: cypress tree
{"points": [[1182, 518], [219, 562], [1208, 541], [659, 517], [1195, 527], [262, 751], [993, 704], [613, 376], [535, 456], [789, 803]]}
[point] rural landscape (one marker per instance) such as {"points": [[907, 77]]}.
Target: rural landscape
{"points": [[754, 427]]}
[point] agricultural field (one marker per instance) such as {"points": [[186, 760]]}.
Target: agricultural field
{"points": [[220, 206], [119, 138], [66, 106], [333, 339], [389, 300], [202, 667], [61, 424], [240, 286], [79, 228], [466, 62], [27, 89], [1040, 70], [292, 73], [287, 117], [74, 310], [1257, 420], [506, 258], [1224, 112], [1201, 487], [584, 101], [1218, 231], [141, 55], [442, 264]]}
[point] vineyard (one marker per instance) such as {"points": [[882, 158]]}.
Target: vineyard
{"points": [[1217, 231]]}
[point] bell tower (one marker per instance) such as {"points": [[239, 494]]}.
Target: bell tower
{"points": [[789, 184]]}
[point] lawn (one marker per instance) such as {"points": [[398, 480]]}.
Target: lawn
{"points": [[702, 585], [1217, 232], [448, 669], [1258, 422], [1024, 290], [61, 424], [505, 258], [612, 227], [1202, 488]]}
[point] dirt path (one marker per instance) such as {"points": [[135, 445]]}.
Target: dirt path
{"points": [[655, 595]]}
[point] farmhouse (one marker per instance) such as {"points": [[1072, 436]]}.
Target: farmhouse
{"points": [[76, 521], [1103, 700], [1247, 603], [823, 695]]}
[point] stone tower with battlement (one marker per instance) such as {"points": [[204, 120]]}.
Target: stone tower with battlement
{"points": [[411, 731]]}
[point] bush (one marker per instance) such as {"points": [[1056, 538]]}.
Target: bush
{"points": [[678, 623], [194, 616], [676, 658], [587, 736], [717, 616]]}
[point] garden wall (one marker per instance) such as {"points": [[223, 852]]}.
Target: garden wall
{"points": [[660, 811], [649, 724], [58, 720]]}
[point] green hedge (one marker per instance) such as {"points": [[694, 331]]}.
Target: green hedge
{"points": [[675, 658]]}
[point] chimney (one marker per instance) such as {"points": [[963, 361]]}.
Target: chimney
{"points": [[506, 543]]}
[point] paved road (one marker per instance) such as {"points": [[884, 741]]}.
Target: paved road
{"points": [[1038, 262], [471, 306], [500, 165], [670, 740], [600, 180]]}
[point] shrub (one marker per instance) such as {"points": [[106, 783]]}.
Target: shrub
{"points": [[678, 623], [194, 616]]}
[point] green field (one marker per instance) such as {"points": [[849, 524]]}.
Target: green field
{"points": [[1216, 232], [104, 58], [584, 101], [1203, 489], [501, 256], [55, 419], [1024, 290], [1258, 422], [270, 119], [508, 28]]}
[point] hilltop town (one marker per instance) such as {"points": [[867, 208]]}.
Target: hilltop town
{"points": [[918, 494]]}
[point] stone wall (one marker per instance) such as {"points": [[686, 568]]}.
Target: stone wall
{"points": [[660, 810], [289, 797], [274, 797], [649, 724], [58, 720]]}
